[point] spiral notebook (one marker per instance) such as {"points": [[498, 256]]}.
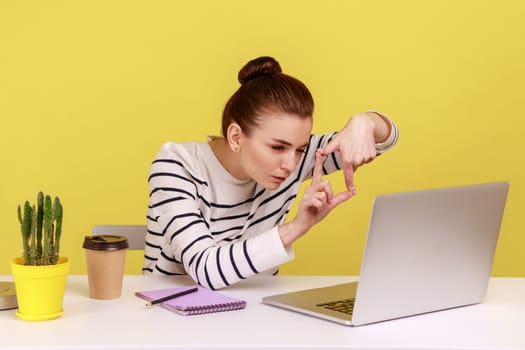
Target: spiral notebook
{"points": [[201, 302]]}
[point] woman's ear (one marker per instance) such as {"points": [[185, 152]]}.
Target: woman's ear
{"points": [[234, 136]]}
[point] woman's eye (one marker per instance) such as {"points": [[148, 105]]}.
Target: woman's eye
{"points": [[278, 148], [301, 151]]}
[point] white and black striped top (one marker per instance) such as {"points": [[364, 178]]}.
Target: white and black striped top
{"points": [[204, 222]]}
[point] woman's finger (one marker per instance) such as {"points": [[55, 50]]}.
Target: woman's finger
{"points": [[331, 147], [340, 198], [318, 168]]}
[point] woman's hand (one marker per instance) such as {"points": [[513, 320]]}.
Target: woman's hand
{"points": [[317, 201], [356, 144]]}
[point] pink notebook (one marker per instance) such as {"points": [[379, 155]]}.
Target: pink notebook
{"points": [[201, 302]]}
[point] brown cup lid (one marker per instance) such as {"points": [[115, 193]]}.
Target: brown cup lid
{"points": [[105, 242]]}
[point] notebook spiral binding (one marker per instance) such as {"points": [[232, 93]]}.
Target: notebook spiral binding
{"points": [[198, 310]]}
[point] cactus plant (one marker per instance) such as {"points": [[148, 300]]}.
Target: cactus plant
{"points": [[41, 227]]}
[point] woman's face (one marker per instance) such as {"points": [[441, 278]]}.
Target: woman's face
{"points": [[273, 149]]}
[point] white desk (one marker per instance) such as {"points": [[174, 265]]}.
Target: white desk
{"points": [[498, 323]]}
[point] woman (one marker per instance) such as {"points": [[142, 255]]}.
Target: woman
{"points": [[217, 209]]}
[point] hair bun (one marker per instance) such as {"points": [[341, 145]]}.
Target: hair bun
{"points": [[258, 67]]}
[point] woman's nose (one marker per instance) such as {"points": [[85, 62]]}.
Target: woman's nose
{"points": [[289, 161]]}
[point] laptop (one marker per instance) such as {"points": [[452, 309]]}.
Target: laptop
{"points": [[425, 251]]}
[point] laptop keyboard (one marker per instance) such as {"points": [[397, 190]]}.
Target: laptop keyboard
{"points": [[345, 306]]}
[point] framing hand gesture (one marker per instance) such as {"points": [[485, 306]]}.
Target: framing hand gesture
{"points": [[317, 201], [356, 144]]}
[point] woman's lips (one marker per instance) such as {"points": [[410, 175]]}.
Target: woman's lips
{"points": [[279, 179]]}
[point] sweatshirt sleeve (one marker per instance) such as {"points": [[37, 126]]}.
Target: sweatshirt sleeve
{"points": [[391, 140]]}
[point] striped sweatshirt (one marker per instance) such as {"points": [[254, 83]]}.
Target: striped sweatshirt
{"points": [[219, 230]]}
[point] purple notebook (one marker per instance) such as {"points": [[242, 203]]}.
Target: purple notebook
{"points": [[201, 302]]}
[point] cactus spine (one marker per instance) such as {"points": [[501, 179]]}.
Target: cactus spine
{"points": [[41, 247]]}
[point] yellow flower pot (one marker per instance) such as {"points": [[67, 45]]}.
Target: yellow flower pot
{"points": [[40, 289]]}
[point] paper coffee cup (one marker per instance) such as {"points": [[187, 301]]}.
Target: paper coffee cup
{"points": [[105, 259]]}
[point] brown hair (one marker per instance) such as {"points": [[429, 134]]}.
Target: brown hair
{"points": [[265, 88]]}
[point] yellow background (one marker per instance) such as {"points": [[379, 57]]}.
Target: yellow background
{"points": [[89, 90]]}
